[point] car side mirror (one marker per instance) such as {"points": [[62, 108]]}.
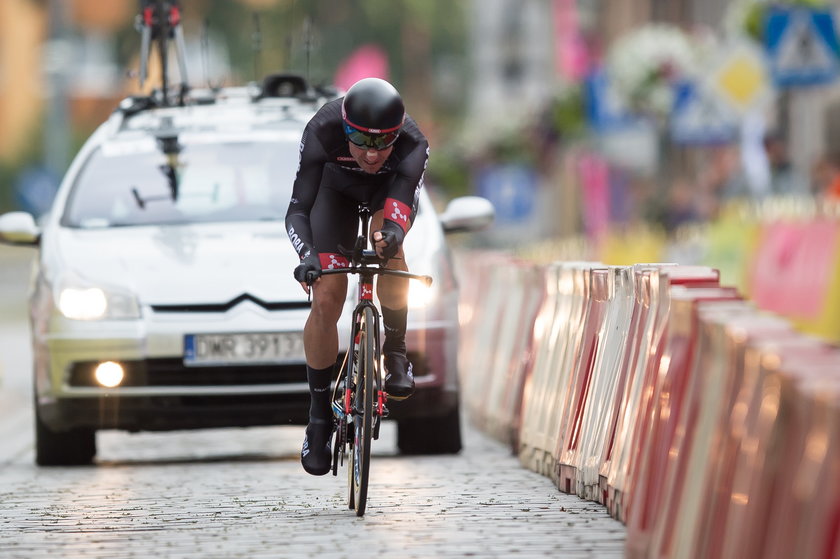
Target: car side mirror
{"points": [[18, 228], [467, 213]]}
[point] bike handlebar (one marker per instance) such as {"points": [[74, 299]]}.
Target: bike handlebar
{"points": [[365, 261], [368, 269]]}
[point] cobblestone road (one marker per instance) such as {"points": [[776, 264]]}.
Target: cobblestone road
{"points": [[242, 493]]}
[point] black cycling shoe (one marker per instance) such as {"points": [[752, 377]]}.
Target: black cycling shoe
{"points": [[399, 377], [316, 454]]}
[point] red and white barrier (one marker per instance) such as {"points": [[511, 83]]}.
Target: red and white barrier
{"points": [[711, 429]]}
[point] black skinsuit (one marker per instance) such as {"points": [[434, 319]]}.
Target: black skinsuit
{"points": [[323, 211]]}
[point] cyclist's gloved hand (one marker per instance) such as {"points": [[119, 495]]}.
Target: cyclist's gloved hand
{"points": [[309, 268], [388, 239]]}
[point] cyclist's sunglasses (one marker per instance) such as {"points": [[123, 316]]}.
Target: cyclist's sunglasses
{"points": [[365, 139]]}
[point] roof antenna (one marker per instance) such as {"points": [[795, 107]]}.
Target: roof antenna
{"points": [[205, 52], [256, 45], [307, 42]]}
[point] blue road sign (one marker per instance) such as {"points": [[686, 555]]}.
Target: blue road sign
{"points": [[512, 189], [699, 117], [35, 189], [605, 110], [802, 46]]}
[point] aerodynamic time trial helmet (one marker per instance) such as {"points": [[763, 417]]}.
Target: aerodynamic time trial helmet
{"points": [[373, 113]]}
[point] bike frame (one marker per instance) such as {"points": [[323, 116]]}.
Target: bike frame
{"points": [[367, 265]]}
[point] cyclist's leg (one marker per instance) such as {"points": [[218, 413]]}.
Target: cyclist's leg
{"points": [[393, 296], [320, 334], [333, 220], [392, 291]]}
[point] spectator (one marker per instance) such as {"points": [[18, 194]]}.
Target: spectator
{"points": [[784, 179], [682, 205]]}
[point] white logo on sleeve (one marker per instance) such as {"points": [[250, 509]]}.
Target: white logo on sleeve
{"points": [[397, 214], [334, 263]]}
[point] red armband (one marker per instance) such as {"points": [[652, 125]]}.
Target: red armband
{"points": [[397, 212]]}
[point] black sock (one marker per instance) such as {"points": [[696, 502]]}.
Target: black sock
{"points": [[319, 391], [395, 324]]}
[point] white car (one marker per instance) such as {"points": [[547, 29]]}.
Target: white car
{"points": [[163, 296]]}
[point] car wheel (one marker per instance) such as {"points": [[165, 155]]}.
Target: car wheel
{"points": [[430, 435], [75, 447]]}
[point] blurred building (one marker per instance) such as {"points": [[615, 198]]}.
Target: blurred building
{"points": [[56, 52], [60, 74], [22, 30], [511, 50]]}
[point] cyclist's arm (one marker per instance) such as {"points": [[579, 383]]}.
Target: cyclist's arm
{"points": [[403, 192], [304, 192]]}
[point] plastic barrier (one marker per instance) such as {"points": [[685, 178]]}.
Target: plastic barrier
{"points": [[547, 390], [632, 341], [815, 491], [719, 377], [472, 270], [598, 414], [523, 292], [710, 428], [493, 335], [552, 317], [808, 465], [692, 352], [650, 289], [772, 433], [670, 388], [493, 273], [582, 358], [646, 373]]}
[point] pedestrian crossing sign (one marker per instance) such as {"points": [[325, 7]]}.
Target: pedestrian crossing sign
{"points": [[802, 46], [699, 117]]}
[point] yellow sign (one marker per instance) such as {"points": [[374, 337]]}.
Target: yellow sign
{"points": [[740, 78]]}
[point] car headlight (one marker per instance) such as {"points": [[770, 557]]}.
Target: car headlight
{"points": [[420, 295], [80, 301]]}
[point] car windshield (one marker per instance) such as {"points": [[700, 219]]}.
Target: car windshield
{"points": [[131, 184]]}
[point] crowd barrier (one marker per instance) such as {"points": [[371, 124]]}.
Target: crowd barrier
{"points": [[778, 246], [709, 427]]}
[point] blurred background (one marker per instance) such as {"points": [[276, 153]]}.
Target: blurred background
{"points": [[619, 130]]}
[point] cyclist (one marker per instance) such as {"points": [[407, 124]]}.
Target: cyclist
{"points": [[362, 147]]}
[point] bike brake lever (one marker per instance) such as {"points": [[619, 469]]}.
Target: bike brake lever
{"points": [[346, 253], [310, 279]]}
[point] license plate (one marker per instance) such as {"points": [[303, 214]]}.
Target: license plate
{"points": [[234, 349]]}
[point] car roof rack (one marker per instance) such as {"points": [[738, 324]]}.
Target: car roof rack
{"points": [[295, 86], [285, 85]]}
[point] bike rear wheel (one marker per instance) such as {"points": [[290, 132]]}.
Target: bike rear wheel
{"points": [[363, 402]]}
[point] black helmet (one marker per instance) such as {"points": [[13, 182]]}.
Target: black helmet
{"points": [[373, 113]]}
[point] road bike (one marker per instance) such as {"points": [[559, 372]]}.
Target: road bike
{"points": [[359, 400]]}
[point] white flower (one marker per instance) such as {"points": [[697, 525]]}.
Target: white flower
{"points": [[645, 64]]}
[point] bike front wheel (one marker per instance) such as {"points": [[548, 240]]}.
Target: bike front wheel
{"points": [[363, 403]]}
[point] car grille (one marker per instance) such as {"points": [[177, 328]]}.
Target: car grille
{"points": [[172, 372], [223, 307]]}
